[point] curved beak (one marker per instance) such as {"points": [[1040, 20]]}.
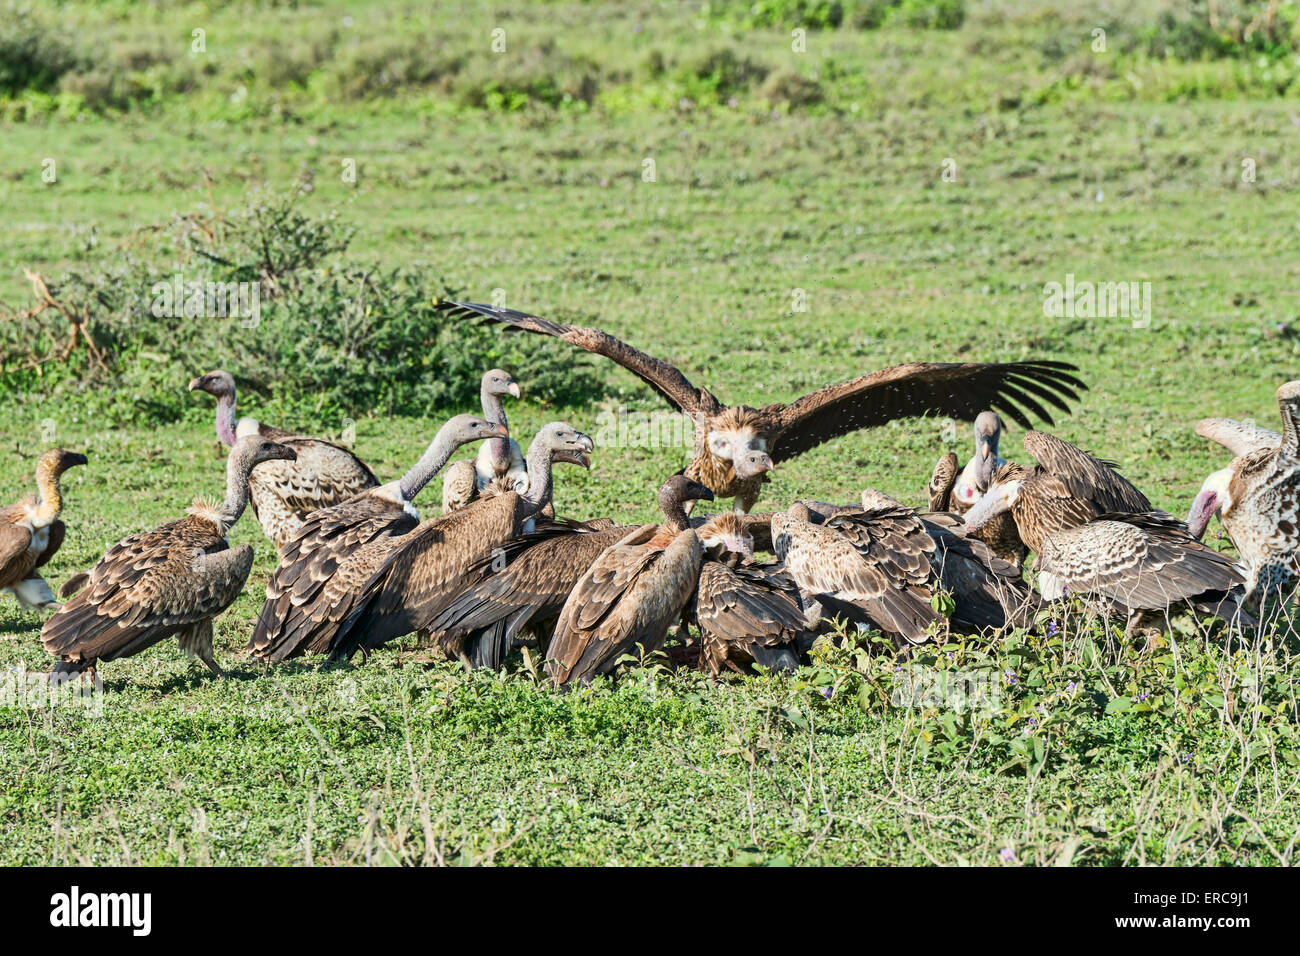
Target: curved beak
{"points": [[194, 382], [587, 441], [500, 431], [513, 389], [1203, 509], [76, 458], [704, 494], [573, 456]]}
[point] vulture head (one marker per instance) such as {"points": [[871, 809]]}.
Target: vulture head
{"points": [[726, 533], [1001, 496], [498, 382], [988, 431], [561, 437], [56, 461], [678, 490], [463, 429], [735, 435], [252, 450], [218, 383], [1214, 497]]}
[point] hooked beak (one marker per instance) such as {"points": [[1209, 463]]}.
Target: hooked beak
{"points": [[587, 441], [76, 458], [194, 382], [703, 493], [1203, 509], [513, 389], [573, 456], [500, 431]]}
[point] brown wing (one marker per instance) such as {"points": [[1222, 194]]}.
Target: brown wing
{"points": [[58, 531], [601, 619], [15, 564], [665, 379], [331, 549], [146, 588], [747, 613], [1240, 438], [941, 482], [988, 591], [883, 571], [1144, 562], [528, 581], [285, 493], [1085, 477], [423, 571], [957, 390]]}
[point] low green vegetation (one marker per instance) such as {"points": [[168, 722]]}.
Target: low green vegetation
{"points": [[770, 221]]}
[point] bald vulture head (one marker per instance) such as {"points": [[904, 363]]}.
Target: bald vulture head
{"points": [[1003, 491], [558, 437], [988, 432], [56, 461], [219, 383], [1215, 495], [725, 533], [252, 450], [500, 382], [678, 490]]}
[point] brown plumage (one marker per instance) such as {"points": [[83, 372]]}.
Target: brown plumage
{"points": [[989, 593], [747, 613], [284, 493], [956, 489], [735, 445], [1257, 497], [427, 568], [632, 594], [331, 557], [1097, 536], [521, 588], [871, 564], [31, 532], [171, 581]]}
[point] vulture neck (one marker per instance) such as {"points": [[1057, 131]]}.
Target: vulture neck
{"points": [[1290, 445], [495, 412], [538, 463], [435, 456], [226, 418], [49, 499], [673, 507], [237, 471]]}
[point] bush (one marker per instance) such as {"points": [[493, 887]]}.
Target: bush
{"points": [[32, 57], [325, 338]]}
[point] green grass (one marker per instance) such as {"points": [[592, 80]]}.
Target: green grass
{"points": [[407, 760]]}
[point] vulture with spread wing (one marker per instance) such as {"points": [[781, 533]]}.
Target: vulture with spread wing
{"points": [[736, 445], [31, 532], [1257, 497]]}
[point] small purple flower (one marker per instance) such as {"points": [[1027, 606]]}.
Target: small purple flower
{"points": [[1007, 854], [1052, 628], [827, 693], [1011, 678]]}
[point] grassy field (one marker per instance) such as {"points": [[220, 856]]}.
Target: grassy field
{"points": [[1124, 168]]}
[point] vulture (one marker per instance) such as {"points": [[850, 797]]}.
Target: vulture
{"points": [[171, 581], [30, 532], [336, 549], [522, 587], [1097, 536], [420, 573], [1257, 497], [871, 564], [285, 493], [957, 489], [497, 457], [735, 445], [747, 613], [632, 594]]}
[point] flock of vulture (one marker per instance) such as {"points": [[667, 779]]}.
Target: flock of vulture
{"points": [[499, 569]]}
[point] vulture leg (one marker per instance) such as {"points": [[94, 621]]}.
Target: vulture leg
{"points": [[34, 592], [197, 641]]}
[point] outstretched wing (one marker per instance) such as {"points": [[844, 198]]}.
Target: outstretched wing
{"points": [[957, 390], [1084, 476], [1240, 438], [658, 374]]}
